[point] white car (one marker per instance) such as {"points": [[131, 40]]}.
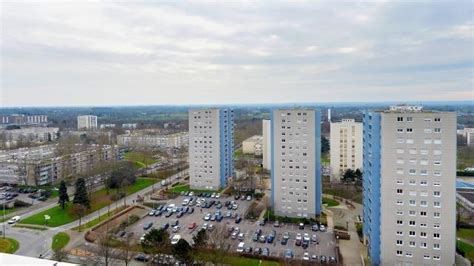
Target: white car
{"points": [[175, 239], [240, 247], [191, 194], [218, 195], [204, 226], [213, 195], [14, 220], [210, 227], [306, 256], [234, 235], [306, 237], [322, 228], [207, 217], [241, 236], [176, 228]]}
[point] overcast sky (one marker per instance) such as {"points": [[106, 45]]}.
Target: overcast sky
{"points": [[179, 52]]}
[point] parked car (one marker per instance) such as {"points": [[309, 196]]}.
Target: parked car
{"points": [[276, 224], [322, 228], [263, 239], [257, 251], [238, 219], [176, 228], [301, 226], [306, 256], [248, 250], [240, 247], [142, 257], [314, 228], [314, 238], [265, 252], [165, 226], [249, 198], [14, 219], [192, 226], [323, 259], [147, 226], [289, 254], [175, 239], [298, 239]]}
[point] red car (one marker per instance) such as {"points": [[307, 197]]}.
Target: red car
{"points": [[192, 226]]}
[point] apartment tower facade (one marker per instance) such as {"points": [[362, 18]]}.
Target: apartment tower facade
{"points": [[296, 162], [409, 204], [88, 122], [346, 147], [211, 148]]}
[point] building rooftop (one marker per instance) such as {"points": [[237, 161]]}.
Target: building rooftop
{"points": [[11, 259]]}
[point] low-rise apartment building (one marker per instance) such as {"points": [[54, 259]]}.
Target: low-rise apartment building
{"points": [[175, 140]]}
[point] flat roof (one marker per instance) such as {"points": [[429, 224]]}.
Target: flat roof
{"points": [[15, 260]]}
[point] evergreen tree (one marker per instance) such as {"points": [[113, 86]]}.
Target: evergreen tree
{"points": [[80, 195], [183, 251], [63, 196]]}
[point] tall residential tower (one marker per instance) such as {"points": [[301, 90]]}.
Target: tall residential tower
{"points": [[88, 122], [296, 162], [346, 147], [409, 186], [211, 148]]}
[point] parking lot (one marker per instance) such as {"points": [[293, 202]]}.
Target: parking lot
{"points": [[324, 246]]}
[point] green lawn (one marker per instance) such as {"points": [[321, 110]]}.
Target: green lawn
{"points": [[330, 202], [60, 240], [325, 158], [237, 260], [467, 248], [466, 233], [140, 159], [8, 245], [99, 200], [185, 187]]}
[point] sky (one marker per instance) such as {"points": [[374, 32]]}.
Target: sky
{"points": [[84, 53]]}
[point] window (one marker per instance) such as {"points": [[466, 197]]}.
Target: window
{"points": [[412, 233], [400, 130], [400, 141], [399, 202], [424, 152], [399, 222], [411, 243], [436, 235], [436, 226], [400, 171], [399, 233], [436, 215], [437, 119], [427, 130], [400, 191], [412, 223], [412, 202], [409, 254], [437, 204], [426, 257], [437, 130], [423, 203], [436, 246], [423, 172], [410, 172], [423, 245], [412, 182], [409, 130], [436, 257], [436, 183], [423, 234], [423, 182], [412, 213], [409, 119], [412, 193], [400, 119], [437, 173], [399, 182], [423, 213], [399, 242], [437, 162], [399, 253], [437, 193], [423, 162], [410, 141], [399, 212], [423, 225]]}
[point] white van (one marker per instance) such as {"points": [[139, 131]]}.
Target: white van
{"points": [[240, 247], [14, 220]]}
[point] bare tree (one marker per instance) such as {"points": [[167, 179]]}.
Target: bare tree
{"points": [[219, 241], [125, 253], [104, 250], [59, 254], [78, 210]]}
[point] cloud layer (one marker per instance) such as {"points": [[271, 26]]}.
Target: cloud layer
{"points": [[104, 53]]}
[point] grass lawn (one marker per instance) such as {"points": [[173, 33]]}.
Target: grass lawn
{"points": [[467, 248], [8, 245], [139, 159], [330, 202], [60, 240], [325, 158], [466, 233], [99, 200], [185, 187]]}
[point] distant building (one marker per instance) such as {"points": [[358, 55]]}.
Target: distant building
{"points": [[129, 126], [468, 133], [296, 162], [29, 134], [346, 147], [19, 119], [41, 165], [176, 140], [465, 194], [329, 114], [409, 206], [267, 144], [253, 145], [211, 148], [104, 126], [87, 122]]}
